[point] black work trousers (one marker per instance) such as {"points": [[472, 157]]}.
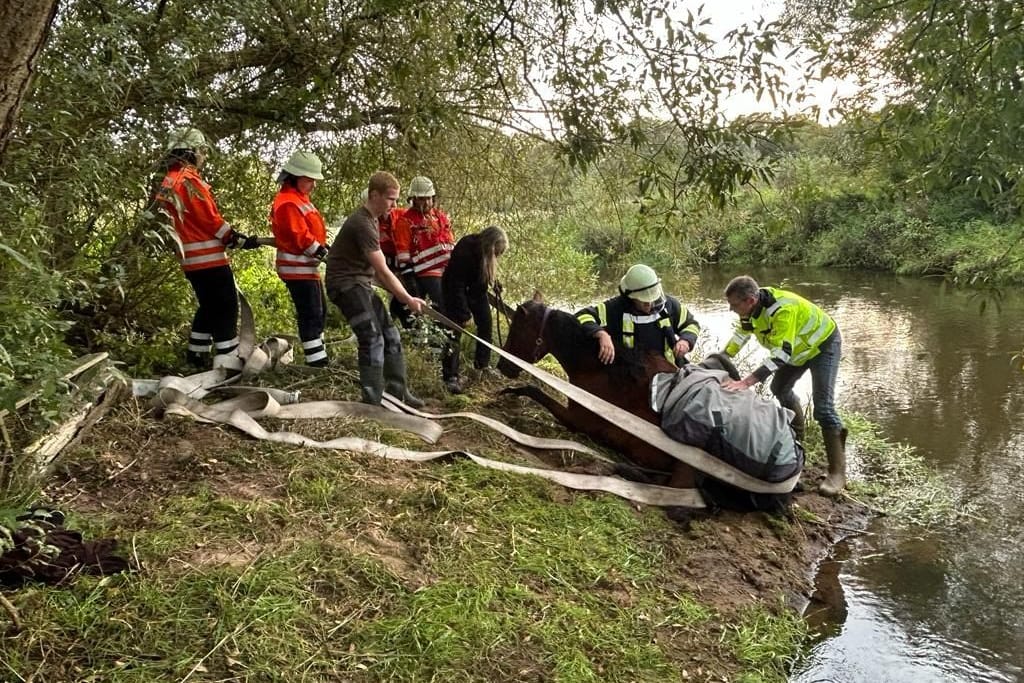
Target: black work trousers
{"points": [[216, 318], [310, 313], [374, 330], [480, 308]]}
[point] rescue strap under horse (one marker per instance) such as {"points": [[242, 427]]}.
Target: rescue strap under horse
{"points": [[646, 431]]}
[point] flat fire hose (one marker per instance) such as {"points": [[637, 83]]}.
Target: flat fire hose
{"points": [[234, 412], [180, 396], [642, 429], [501, 428]]}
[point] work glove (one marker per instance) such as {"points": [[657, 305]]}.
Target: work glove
{"points": [[321, 254], [251, 242], [241, 241]]}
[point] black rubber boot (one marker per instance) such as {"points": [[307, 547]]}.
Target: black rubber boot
{"points": [[797, 423], [371, 384], [395, 380]]}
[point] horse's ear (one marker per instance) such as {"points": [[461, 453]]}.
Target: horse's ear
{"points": [[538, 298]]}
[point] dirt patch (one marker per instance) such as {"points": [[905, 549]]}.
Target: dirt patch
{"points": [[396, 557], [239, 555]]}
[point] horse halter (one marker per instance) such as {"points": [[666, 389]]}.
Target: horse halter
{"points": [[540, 336]]}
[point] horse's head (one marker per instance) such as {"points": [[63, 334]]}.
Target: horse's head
{"points": [[526, 335]]}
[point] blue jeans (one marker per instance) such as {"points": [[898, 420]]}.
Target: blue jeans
{"points": [[824, 370]]}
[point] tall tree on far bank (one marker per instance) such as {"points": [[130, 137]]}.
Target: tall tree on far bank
{"points": [[23, 30]]}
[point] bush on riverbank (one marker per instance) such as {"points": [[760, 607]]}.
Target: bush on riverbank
{"points": [[827, 207]]}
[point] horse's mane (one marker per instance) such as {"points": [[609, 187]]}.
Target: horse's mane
{"points": [[580, 349]]}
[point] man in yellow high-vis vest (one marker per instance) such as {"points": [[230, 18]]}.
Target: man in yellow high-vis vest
{"points": [[800, 337]]}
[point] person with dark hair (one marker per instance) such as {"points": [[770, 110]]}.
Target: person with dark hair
{"points": [[354, 261], [203, 235], [469, 274], [301, 240], [641, 317], [800, 337], [424, 239]]}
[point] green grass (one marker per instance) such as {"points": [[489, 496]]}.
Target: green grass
{"points": [[262, 562], [765, 641], [900, 482]]}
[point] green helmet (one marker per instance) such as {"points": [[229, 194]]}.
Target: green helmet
{"points": [[186, 138], [305, 165], [421, 186], [641, 283]]}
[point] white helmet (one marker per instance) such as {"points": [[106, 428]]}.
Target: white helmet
{"points": [[186, 138], [304, 165], [641, 283], [421, 186]]}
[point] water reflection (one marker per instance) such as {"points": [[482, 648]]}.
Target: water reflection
{"points": [[934, 372]]}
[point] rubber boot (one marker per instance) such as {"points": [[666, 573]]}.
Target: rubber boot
{"points": [[797, 423], [371, 384], [835, 449], [395, 380]]}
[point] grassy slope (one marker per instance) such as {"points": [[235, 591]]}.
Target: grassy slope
{"points": [[262, 562]]}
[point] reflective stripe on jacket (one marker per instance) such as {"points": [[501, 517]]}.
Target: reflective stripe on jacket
{"points": [[298, 232], [633, 330], [788, 325], [430, 241], [203, 232]]}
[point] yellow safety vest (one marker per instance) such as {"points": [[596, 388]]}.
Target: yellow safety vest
{"points": [[791, 327]]}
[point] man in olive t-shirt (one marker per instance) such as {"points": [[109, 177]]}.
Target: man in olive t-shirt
{"points": [[353, 262]]}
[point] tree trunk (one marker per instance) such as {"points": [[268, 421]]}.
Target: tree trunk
{"points": [[24, 27]]}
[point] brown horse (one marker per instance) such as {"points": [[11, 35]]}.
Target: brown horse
{"points": [[536, 330]]}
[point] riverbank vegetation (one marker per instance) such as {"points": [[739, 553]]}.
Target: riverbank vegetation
{"points": [[596, 135]]}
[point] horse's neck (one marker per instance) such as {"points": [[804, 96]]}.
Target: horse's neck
{"points": [[566, 342]]}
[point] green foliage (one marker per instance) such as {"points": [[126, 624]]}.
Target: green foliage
{"points": [[31, 337], [828, 208], [948, 78]]}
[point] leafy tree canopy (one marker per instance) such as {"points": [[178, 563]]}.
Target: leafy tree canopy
{"points": [[940, 83]]}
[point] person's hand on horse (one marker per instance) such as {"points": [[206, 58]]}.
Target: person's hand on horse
{"points": [[681, 348], [416, 305], [737, 384], [605, 347]]}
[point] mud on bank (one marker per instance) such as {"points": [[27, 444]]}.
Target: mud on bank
{"points": [[266, 562]]}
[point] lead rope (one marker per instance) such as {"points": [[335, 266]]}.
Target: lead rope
{"points": [[502, 308]]}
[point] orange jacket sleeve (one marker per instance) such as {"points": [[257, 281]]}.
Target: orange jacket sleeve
{"points": [[292, 232]]}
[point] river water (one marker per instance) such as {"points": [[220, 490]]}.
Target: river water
{"points": [[934, 372]]}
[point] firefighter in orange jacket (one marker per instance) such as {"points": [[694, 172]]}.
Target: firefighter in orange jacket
{"points": [[301, 240], [430, 240], [204, 234]]}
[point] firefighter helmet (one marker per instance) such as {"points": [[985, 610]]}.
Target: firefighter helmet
{"points": [[305, 165], [421, 186], [186, 138], [641, 283]]}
